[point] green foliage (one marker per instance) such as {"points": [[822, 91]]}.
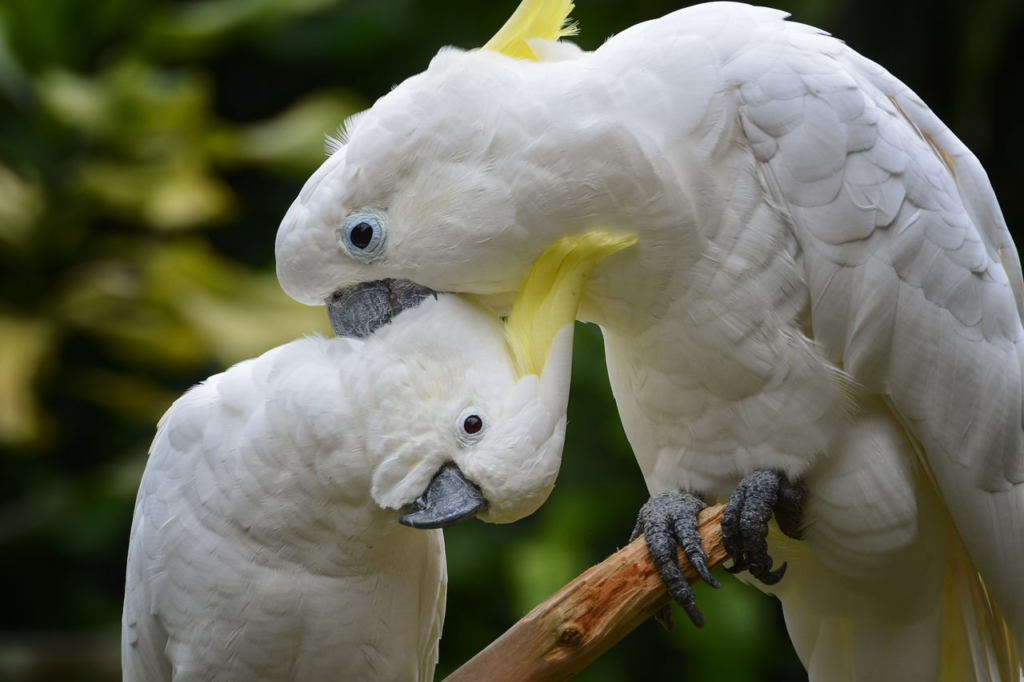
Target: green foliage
{"points": [[148, 150]]}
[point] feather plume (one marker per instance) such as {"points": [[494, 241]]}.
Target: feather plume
{"points": [[550, 295], [545, 19]]}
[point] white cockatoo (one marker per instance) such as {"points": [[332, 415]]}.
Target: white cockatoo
{"points": [[266, 542], [823, 296]]}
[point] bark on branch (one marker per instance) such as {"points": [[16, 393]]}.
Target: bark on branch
{"points": [[568, 631]]}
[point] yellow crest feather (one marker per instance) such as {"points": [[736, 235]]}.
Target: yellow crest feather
{"points": [[547, 19], [550, 295]]}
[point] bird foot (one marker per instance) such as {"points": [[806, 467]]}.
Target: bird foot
{"points": [[668, 520], [745, 522]]}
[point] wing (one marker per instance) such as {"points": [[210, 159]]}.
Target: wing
{"points": [[143, 639], [144, 632], [172, 571], [914, 281]]}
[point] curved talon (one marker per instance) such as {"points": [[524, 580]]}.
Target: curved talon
{"points": [[772, 577], [685, 527], [754, 526], [668, 520], [641, 521], [664, 616], [745, 522]]}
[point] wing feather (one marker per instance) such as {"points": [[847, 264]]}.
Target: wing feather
{"points": [[148, 592], [914, 279]]}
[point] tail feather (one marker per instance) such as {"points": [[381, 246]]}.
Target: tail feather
{"points": [[845, 631], [976, 638]]}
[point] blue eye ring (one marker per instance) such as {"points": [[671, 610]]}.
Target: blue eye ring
{"points": [[363, 235]]}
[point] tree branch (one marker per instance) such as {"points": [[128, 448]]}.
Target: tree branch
{"points": [[568, 631]]}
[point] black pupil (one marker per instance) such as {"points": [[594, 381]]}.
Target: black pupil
{"points": [[473, 424], [361, 235]]}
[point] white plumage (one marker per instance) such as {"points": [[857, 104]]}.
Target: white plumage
{"points": [[823, 285], [266, 545]]}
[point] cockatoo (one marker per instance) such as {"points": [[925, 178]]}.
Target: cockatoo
{"points": [[266, 542], [824, 302]]}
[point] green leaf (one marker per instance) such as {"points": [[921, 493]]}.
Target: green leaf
{"points": [[292, 143]]}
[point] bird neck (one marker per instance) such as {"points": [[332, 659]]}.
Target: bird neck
{"points": [[597, 169], [303, 478]]}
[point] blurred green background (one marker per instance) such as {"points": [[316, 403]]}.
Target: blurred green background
{"points": [[149, 148]]}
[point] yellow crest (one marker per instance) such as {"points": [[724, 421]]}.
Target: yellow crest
{"points": [[550, 295], [547, 19]]}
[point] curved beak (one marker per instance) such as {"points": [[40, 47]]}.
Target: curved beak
{"points": [[359, 310], [449, 498]]}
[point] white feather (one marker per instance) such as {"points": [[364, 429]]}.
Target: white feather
{"points": [[258, 550], [806, 225]]}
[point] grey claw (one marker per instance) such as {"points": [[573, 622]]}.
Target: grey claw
{"points": [[745, 522], [772, 577], [689, 539], [668, 520], [664, 616], [641, 520]]}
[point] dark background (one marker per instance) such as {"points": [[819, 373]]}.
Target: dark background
{"points": [[148, 150]]}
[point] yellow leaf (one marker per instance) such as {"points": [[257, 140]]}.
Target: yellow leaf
{"points": [[21, 204], [24, 346]]}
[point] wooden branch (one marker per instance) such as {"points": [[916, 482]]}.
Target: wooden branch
{"points": [[568, 631]]}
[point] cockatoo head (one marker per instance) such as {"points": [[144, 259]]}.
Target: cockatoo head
{"points": [[465, 413], [452, 422], [410, 195], [438, 182]]}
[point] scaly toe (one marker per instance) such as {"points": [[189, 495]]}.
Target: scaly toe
{"points": [[746, 517], [731, 535], [669, 520]]}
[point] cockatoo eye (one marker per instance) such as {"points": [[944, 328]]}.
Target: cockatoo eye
{"points": [[470, 426], [362, 235]]}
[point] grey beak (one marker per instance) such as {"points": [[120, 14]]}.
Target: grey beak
{"points": [[449, 498], [360, 310]]}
